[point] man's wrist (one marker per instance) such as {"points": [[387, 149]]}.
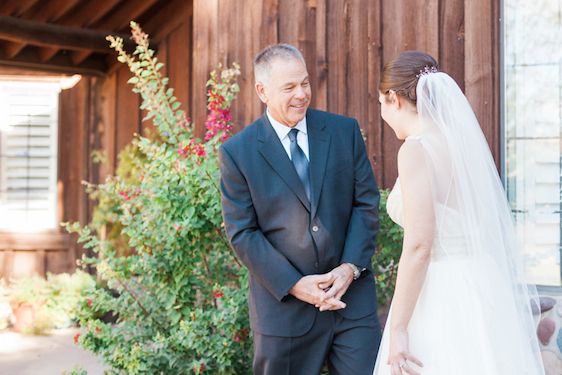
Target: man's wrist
{"points": [[356, 271]]}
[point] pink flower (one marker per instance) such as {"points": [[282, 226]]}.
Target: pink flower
{"points": [[76, 338], [89, 302]]}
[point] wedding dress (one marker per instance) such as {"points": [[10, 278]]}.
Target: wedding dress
{"points": [[473, 314]]}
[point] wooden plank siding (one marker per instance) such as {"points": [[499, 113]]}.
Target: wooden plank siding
{"points": [[97, 114], [345, 44]]}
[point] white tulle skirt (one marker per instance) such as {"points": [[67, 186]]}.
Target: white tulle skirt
{"points": [[466, 323]]}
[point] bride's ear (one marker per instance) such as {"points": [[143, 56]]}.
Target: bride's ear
{"points": [[395, 99]]}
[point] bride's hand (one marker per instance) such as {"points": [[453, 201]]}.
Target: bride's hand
{"points": [[399, 354]]}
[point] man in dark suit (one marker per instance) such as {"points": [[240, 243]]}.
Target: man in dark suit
{"points": [[300, 205]]}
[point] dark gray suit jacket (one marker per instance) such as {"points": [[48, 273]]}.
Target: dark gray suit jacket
{"points": [[281, 236]]}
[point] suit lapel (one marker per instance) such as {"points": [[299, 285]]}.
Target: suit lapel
{"points": [[319, 146], [273, 152]]}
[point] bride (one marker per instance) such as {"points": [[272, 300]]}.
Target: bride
{"points": [[461, 306]]}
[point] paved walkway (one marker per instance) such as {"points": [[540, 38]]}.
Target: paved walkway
{"points": [[44, 355]]}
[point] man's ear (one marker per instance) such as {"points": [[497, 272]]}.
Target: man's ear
{"points": [[260, 90]]}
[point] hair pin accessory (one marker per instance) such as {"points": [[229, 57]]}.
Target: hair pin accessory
{"points": [[427, 70]]}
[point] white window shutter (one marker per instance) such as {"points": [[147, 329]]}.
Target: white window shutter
{"points": [[28, 155]]}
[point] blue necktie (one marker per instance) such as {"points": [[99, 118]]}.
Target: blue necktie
{"points": [[300, 162]]}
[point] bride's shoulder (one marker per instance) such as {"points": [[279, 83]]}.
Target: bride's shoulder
{"points": [[410, 154], [411, 148]]}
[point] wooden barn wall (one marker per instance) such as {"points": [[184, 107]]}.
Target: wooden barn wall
{"points": [[346, 43], [98, 114]]}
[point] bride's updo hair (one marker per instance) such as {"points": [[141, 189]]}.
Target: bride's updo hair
{"points": [[402, 73]]}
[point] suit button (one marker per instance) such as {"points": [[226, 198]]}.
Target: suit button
{"points": [[315, 228]]}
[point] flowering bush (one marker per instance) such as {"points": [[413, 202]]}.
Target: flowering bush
{"points": [[174, 295]]}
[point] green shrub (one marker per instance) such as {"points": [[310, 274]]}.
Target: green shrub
{"points": [[65, 292], [389, 248], [77, 370], [173, 299]]}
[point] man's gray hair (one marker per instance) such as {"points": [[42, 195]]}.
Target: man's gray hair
{"points": [[263, 60]]}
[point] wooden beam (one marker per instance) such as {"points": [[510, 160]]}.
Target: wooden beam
{"points": [[128, 11], [49, 11], [7, 7], [16, 8], [46, 11], [88, 13], [43, 34], [78, 56], [53, 67], [47, 53], [52, 239], [81, 16], [28, 59], [119, 19], [28, 74], [12, 49]]}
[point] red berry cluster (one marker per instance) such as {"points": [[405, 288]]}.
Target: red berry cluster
{"points": [[192, 148], [200, 369]]}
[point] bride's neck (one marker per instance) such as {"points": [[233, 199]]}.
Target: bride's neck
{"points": [[414, 124]]}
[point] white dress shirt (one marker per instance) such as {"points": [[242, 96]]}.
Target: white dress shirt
{"points": [[283, 134]]}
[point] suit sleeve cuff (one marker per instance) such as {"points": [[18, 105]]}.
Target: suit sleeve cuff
{"points": [[284, 292]]}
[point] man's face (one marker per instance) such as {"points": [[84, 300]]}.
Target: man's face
{"points": [[286, 92]]}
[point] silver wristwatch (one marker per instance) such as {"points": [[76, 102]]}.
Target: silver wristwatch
{"points": [[356, 271]]}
